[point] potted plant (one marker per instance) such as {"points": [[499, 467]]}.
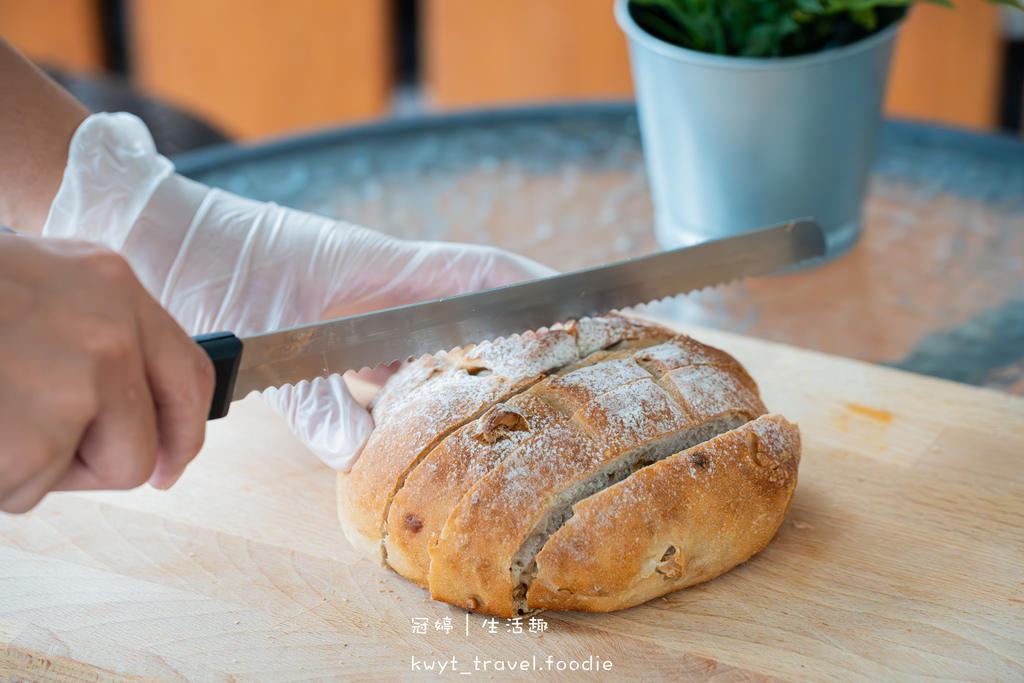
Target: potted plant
{"points": [[754, 112]]}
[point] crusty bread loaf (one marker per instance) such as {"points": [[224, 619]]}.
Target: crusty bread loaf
{"points": [[591, 466]]}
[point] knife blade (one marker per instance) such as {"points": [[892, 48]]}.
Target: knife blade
{"points": [[381, 337]]}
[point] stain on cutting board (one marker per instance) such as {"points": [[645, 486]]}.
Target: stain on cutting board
{"points": [[867, 422]]}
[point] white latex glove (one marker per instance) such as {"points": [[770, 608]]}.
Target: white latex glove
{"points": [[219, 262]]}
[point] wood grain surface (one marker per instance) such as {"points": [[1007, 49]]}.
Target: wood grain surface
{"points": [[259, 67], [900, 557], [946, 68], [66, 34], [485, 52], [948, 64]]}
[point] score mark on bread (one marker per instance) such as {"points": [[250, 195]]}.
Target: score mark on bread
{"points": [[591, 466]]}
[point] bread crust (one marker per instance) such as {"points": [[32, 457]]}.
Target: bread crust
{"points": [[706, 510], [422, 506], [435, 395], [433, 489], [461, 386], [488, 460]]}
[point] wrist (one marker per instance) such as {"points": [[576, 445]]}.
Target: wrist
{"points": [[156, 239]]}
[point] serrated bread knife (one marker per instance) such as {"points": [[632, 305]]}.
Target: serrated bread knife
{"points": [[370, 339]]}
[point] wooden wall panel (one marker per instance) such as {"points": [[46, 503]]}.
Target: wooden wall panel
{"points": [[948, 66], [261, 67], [480, 52], [60, 33]]}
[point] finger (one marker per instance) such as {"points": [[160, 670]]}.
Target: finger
{"points": [[508, 268], [377, 375], [118, 449], [325, 417], [459, 268], [48, 460], [181, 379], [421, 271], [41, 431]]}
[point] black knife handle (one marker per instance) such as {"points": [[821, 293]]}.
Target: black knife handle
{"points": [[225, 350]]}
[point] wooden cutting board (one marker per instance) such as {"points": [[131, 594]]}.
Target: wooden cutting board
{"points": [[902, 556]]}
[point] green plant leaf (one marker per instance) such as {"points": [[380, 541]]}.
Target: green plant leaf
{"points": [[770, 28], [865, 16]]}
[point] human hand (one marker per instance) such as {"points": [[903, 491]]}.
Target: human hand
{"points": [[383, 272], [99, 387], [221, 262], [252, 267]]}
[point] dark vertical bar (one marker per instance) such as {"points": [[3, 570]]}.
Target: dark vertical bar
{"points": [[1011, 110], [113, 27], [406, 42]]}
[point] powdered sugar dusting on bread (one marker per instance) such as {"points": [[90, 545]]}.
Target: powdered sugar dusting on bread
{"points": [[594, 334], [708, 390], [680, 352], [447, 402], [398, 391], [573, 390], [468, 455], [707, 509], [631, 415], [627, 394], [561, 452], [420, 508], [526, 356]]}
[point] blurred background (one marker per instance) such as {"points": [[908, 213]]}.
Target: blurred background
{"points": [[203, 71]]}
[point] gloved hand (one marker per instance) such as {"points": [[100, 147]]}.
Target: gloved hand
{"points": [[217, 261]]}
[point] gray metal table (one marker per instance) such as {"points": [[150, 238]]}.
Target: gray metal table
{"points": [[936, 284]]}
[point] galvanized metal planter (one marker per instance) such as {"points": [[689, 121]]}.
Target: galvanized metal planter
{"points": [[733, 143]]}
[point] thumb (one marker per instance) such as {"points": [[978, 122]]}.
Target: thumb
{"points": [[325, 417]]}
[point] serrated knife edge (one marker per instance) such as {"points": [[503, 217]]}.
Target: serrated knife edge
{"points": [[370, 339]]}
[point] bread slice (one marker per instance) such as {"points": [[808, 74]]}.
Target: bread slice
{"points": [[432, 397], [483, 459], [705, 510], [422, 506], [433, 489]]}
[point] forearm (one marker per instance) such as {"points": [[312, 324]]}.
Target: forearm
{"points": [[37, 120]]}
